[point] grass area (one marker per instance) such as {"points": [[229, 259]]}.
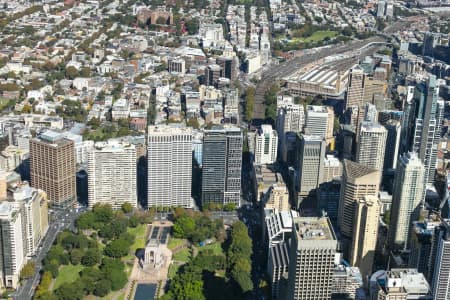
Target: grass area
{"points": [[320, 35], [315, 37], [139, 241], [216, 248], [173, 269], [68, 274], [174, 242], [183, 255], [121, 297]]}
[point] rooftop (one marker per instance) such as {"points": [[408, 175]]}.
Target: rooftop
{"points": [[356, 170], [313, 228]]}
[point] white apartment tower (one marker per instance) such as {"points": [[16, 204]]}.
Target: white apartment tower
{"points": [[371, 145], [290, 118], [11, 244], [169, 160], [406, 199], [266, 144], [112, 174]]}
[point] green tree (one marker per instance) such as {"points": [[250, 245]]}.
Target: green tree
{"points": [[239, 256], [183, 227], [103, 213], [71, 72], [102, 288], [75, 256], [70, 291], [127, 207], [117, 248], [28, 270], [85, 221], [193, 122], [91, 257], [85, 72], [249, 103]]}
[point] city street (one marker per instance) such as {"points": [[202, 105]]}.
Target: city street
{"points": [[61, 220]]}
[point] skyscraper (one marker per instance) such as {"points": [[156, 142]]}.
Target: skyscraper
{"points": [[371, 145], [429, 113], [310, 163], [406, 199], [222, 165], [169, 163], [441, 278], [391, 152], [311, 259], [355, 91], [358, 181], [12, 247], [290, 119], [34, 209], [53, 167], [112, 175], [319, 121], [365, 231], [266, 145]]}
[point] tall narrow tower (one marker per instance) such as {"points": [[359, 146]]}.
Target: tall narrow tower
{"points": [[358, 181], [371, 145], [169, 162], [222, 166], [53, 167], [365, 229], [406, 199], [429, 113]]}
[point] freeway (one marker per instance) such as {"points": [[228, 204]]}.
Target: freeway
{"points": [[62, 219]]}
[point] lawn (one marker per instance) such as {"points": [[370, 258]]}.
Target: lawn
{"points": [[184, 255], [140, 239], [216, 248], [173, 269], [315, 37], [174, 242], [67, 274], [320, 35]]}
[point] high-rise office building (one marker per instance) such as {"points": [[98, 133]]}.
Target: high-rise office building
{"points": [[428, 117], [222, 165], [441, 274], [311, 259], [371, 145], [290, 119], [358, 181], [112, 175], [319, 121], [12, 246], [266, 145], [169, 165], [53, 167], [365, 231], [392, 149], [406, 199], [310, 163], [355, 90]]}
